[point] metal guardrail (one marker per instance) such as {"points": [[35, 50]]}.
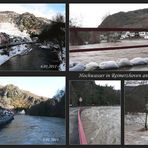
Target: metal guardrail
{"points": [[106, 48], [107, 29], [82, 136]]}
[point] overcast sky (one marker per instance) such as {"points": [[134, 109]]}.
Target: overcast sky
{"points": [[114, 83], [42, 86], [91, 15], [40, 10]]}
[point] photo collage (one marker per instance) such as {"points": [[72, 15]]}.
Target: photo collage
{"points": [[74, 74]]}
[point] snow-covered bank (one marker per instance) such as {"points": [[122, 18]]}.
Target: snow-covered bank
{"points": [[5, 116], [102, 125], [14, 36], [16, 50], [61, 54], [134, 130], [107, 65], [62, 57]]}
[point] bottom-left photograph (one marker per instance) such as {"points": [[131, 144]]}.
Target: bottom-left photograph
{"points": [[32, 110]]}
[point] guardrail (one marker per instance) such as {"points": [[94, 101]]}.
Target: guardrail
{"points": [[77, 29], [82, 136], [107, 48]]}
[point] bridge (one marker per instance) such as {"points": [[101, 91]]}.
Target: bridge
{"points": [[94, 30]]}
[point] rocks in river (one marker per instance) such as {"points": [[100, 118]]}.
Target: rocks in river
{"points": [[5, 116]]}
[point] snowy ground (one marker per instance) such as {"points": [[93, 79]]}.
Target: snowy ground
{"points": [[61, 55], [16, 50], [14, 32], [102, 125], [134, 130]]}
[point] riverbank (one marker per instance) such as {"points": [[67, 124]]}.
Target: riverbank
{"points": [[16, 50], [36, 59], [6, 116], [102, 124]]}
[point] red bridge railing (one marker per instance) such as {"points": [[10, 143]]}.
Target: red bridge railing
{"points": [[82, 136], [108, 29]]}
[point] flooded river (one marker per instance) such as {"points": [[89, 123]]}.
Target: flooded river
{"points": [[26, 129], [110, 55]]}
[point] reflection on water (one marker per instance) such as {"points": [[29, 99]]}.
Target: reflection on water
{"points": [[26, 129]]}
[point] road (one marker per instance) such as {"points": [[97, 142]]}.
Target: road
{"points": [[73, 125]]}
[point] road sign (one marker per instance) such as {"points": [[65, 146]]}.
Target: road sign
{"points": [[80, 99]]}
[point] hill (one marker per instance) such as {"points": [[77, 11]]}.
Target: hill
{"points": [[135, 98], [130, 19], [13, 97], [25, 21]]}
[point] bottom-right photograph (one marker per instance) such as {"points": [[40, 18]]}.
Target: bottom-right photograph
{"points": [[136, 112]]}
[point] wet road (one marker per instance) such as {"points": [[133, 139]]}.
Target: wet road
{"points": [[73, 125]]}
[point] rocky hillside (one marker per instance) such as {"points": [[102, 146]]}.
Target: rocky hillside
{"points": [[13, 97], [93, 94], [135, 98], [132, 19], [51, 108], [25, 21]]}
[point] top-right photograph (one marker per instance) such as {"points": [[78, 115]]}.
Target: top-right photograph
{"points": [[108, 37]]}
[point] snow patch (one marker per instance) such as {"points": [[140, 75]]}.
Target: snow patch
{"points": [[16, 50]]}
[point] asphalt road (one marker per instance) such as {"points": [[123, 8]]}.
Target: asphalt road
{"points": [[73, 126]]}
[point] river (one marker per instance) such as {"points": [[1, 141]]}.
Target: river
{"points": [[111, 55], [26, 129], [37, 59]]}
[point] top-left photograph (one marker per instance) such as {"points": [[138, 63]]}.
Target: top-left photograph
{"points": [[32, 37]]}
